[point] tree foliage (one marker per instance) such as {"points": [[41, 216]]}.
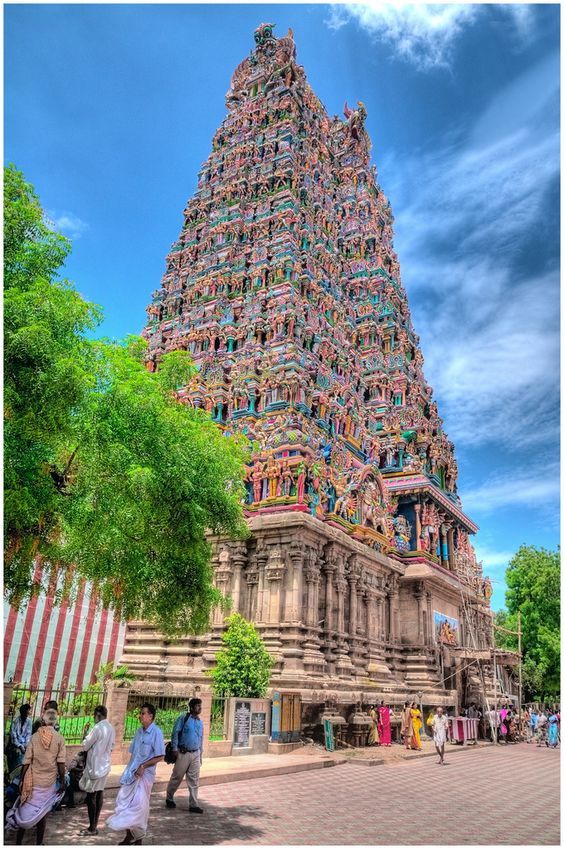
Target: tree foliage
{"points": [[118, 673], [243, 667], [533, 588], [107, 475]]}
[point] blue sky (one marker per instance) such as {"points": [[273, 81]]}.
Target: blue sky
{"points": [[110, 111]]}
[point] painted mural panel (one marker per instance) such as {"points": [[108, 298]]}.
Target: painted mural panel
{"points": [[446, 629]]}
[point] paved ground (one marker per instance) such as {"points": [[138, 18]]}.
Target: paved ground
{"points": [[484, 796], [220, 770]]}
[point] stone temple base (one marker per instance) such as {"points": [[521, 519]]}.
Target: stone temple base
{"points": [[344, 621]]}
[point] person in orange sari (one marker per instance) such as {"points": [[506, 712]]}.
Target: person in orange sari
{"points": [[406, 725], [417, 724]]}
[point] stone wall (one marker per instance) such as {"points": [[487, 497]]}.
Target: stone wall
{"points": [[336, 614]]}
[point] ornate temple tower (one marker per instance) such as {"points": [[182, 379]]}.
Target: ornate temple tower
{"points": [[284, 287]]}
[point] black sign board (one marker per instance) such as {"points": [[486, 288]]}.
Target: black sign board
{"points": [[242, 727], [258, 723]]}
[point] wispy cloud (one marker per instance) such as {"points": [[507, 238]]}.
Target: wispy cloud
{"points": [[422, 34], [526, 487], [68, 224], [478, 243]]}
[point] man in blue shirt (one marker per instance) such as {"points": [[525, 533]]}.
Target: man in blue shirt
{"points": [[188, 744], [20, 735], [132, 803]]}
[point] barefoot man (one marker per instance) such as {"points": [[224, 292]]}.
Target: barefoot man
{"points": [[440, 733]]}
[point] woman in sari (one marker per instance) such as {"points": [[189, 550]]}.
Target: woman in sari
{"points": [[406, 725], [502, 723], [552, 731], [417, 724], [373, 737], [385, 726], [42, 784]]}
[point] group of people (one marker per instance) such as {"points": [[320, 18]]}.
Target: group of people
{"points": [[542, 725], [537, 724], [411, 725], [38, 753], [381, 729]]}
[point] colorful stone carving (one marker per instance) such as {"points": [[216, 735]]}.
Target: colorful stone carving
{"points": [[284, 287]]}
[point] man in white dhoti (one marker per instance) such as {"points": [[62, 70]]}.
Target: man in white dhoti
{"points": [[440, 733], [42, 780], [98, 746], [134, 797]]}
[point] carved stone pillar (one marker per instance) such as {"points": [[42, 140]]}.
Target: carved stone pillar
{"points": [[429, 615], [371, 615], [262, 588], [420, 598], [417, 508], [329, 572], [393, 613], [352, 604], [222, 578], [361, 610], [450, 543], [444, 546], [274, 573], [314, 662], [252, 578], [292, 607], [340, 587], [239, 559], [380, 635], [312, 577]]}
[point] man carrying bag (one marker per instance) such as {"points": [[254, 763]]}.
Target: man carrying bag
{"points": [[188, 745]]}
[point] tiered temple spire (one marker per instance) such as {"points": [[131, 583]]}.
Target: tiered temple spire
{"points": [[285, 288]]}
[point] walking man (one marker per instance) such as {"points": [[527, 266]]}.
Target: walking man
{"points": [[98, 746], [134, 797], [188, 744], [440, 733]]}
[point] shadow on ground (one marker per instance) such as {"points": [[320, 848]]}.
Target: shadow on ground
{"points": [[169, 827]]}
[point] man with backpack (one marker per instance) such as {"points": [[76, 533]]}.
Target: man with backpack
{"points": [[188, 746]]}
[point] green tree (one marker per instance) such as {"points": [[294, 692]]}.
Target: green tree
{"points": [[533, 588], [108, 476], [243, 667], [119, 674]]}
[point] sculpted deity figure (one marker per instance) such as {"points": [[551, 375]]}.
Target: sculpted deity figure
{"points": [[256, 477], [286, 480], [301, 481], [402, 532]]}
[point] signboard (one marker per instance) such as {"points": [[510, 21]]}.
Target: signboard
{"points": [[258, 723], [329, 737], [446, 629], [275, 717], [242, 727]]}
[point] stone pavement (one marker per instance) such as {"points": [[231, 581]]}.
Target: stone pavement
{"points": [[490, 795], [222, 770]]}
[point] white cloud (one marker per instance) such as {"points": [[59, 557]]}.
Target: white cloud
{"points": [[68, 224], [472, 229], [524, 488], [422, 34]]}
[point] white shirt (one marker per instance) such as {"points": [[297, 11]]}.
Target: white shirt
{"points": [[99, 745]]}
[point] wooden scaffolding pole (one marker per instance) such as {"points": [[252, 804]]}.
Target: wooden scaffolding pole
{"points": [[520, 666], [494, 724]]}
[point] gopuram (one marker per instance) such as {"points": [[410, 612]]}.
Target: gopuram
{"points": [[285, 288]]}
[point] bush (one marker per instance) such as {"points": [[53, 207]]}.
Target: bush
{"points": [[243, 667]]}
